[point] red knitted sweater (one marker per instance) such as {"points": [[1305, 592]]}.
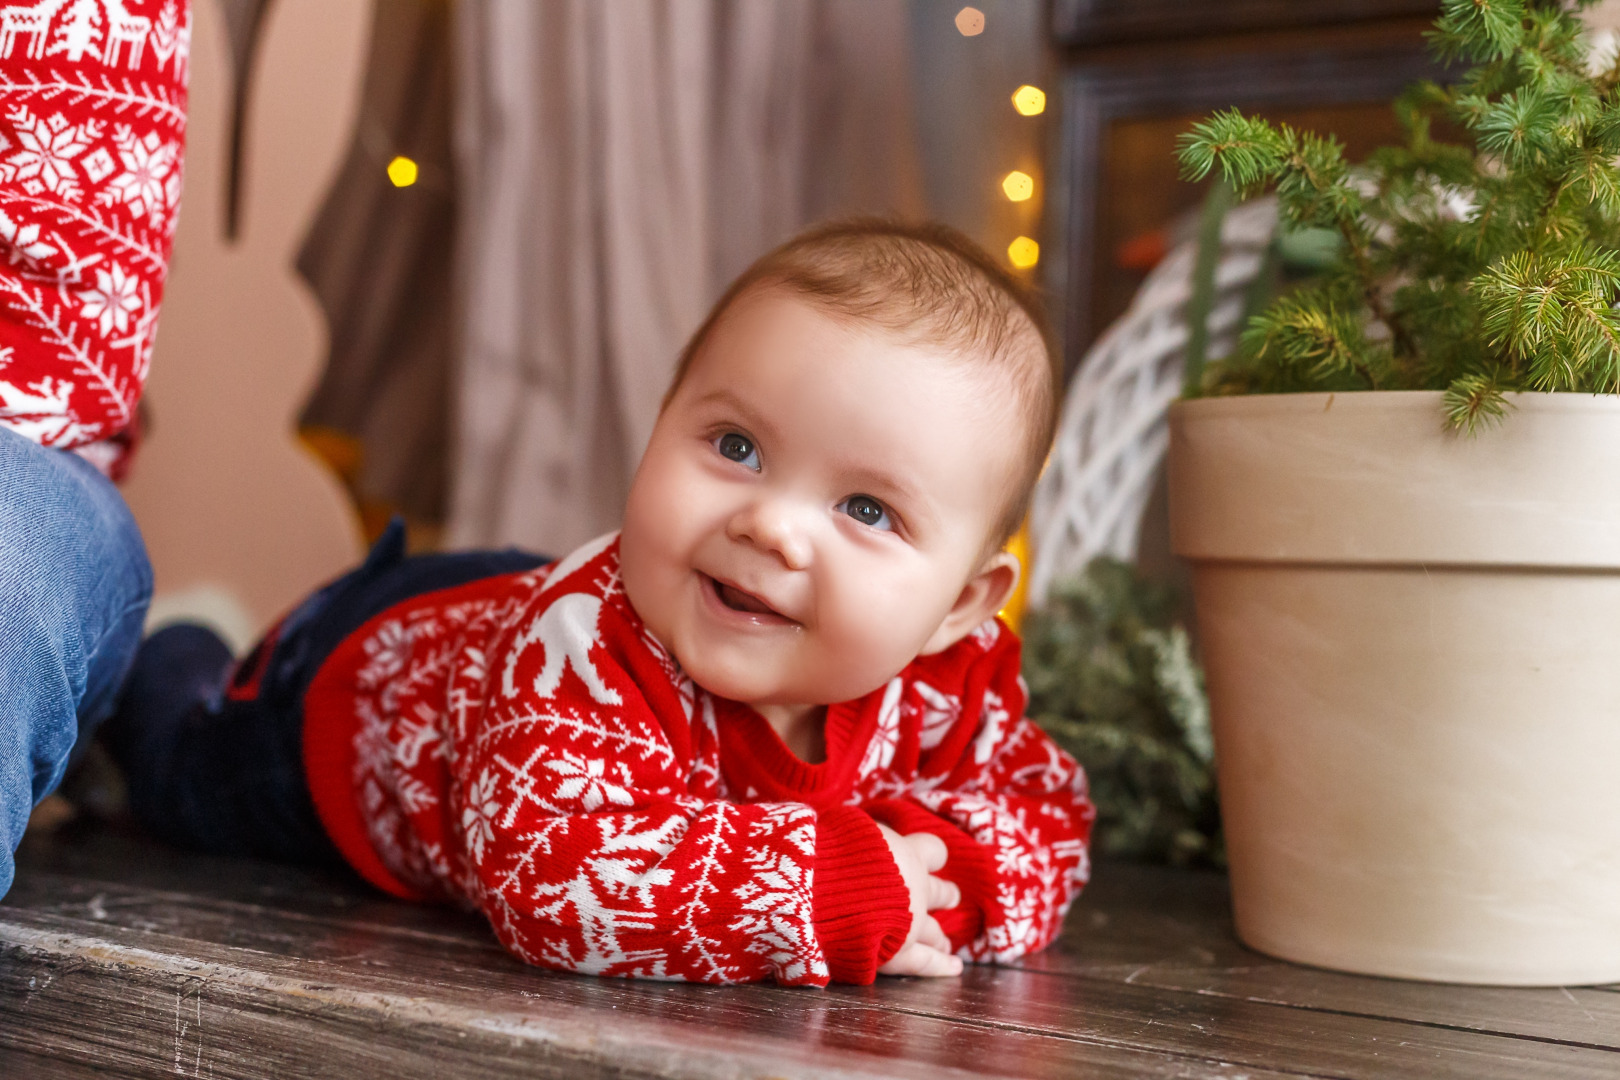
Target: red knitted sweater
{"points": [[523, 745], [92, 125]]}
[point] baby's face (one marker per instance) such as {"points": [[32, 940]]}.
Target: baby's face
{"points": [[812, 503]]}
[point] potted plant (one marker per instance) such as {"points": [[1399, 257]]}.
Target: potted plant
{"points": [[1401, 502]]}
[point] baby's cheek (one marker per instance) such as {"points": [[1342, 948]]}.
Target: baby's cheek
{"points": [[871, 646]]}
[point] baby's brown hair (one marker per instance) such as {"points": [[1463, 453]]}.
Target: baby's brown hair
{"points": [[931, 285]]}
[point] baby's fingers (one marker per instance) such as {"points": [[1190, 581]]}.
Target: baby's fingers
{"points": [[929, 848], [925, 931], [923, 960], [939, 893]]}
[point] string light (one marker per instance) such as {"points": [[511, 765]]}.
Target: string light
{"points": [[1023, 253], [970, 22], [402, 171], [1029, 100], [1018, 186]]}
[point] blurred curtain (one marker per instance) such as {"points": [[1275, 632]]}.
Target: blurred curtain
{"points": [[617, 164], [378, 258]]}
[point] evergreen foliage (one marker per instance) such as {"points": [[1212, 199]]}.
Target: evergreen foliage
{"points": [[1112, 679], [1477, 268]]}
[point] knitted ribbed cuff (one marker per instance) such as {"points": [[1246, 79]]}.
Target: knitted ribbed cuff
{"points": [[863, 909]]}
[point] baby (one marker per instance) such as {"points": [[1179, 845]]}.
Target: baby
{"points": [[771, 729]]}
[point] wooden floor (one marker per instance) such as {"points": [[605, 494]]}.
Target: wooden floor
{"points": [[119, 958]]}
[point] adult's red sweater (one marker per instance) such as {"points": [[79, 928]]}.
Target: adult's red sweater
{"points": [[523, 745]]}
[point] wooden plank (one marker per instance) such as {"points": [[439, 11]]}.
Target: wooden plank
{"points": [[1171, 930], [380, 997], [1147, 981], [1027, 1004], [1246, 1033]]}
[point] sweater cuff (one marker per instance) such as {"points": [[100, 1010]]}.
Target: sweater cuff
{"points": [[862, 906]]}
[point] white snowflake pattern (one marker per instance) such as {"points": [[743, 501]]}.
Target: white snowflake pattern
{"points": [[628, 859], [23, 246], [479, 814], [46, 148], [147, 184], [584, 780], [776, 905], [114, 299], [940, 712]]}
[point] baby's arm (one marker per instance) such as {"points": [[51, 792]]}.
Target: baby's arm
{"points": [[1012, 812], [589, 851]]}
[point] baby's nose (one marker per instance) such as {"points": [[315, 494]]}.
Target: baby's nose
{"points": [[776, 526]]}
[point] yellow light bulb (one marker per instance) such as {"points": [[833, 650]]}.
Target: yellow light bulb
{"points": [[1023, 253], [1018, 186], [1029, 100], [970, 22], [402, 172]]}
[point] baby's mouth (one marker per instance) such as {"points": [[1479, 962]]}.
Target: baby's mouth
{"points": [[738, 600]]}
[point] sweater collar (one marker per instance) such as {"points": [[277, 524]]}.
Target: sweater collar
{"points": [[759, 767]]}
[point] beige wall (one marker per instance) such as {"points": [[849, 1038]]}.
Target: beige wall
{"points": [[239, 520]]}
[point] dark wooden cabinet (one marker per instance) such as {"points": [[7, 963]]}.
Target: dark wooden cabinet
{"points": [[1136, 73]]}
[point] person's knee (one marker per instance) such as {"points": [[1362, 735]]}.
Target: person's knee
{"points": [[74, 585], [69, 547]]}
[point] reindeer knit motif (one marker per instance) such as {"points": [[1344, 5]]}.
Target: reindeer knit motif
{"points": [[92, 128], [524, 746]]}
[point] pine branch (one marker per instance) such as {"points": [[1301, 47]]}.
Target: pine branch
{"points": [[1248, 151], [1478, 29], [1474, 401], [1310, 331], [1493, 264]]}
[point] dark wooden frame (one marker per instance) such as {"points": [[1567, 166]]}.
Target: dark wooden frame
{"points": [[1100, 22], [1094, 94]]}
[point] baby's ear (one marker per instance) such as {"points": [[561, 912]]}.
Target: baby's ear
{"points": [[986, 593]]}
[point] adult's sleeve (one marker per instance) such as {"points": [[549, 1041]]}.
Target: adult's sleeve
{"points": [[92, 134]]}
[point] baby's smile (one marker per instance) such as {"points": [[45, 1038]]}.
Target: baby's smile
{"points": [[744, 602]]}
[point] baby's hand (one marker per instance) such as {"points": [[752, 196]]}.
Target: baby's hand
{"points": [[927, 950]]}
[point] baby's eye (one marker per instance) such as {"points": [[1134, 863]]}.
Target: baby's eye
{"points": [[738, 448], [868, 511]]}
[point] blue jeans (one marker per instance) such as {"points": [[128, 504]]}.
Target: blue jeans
{"points": [[74, 588]]}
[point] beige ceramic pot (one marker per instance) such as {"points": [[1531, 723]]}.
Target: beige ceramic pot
{"points": [[1412, 641]]}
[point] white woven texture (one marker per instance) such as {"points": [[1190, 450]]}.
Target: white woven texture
{"points": [[1113, 434]]}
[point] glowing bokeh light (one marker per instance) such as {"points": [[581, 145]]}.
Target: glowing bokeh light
{"points": [[1029, 100], [1018, 186], [970, 21], [402, 172], [1023, 253]]}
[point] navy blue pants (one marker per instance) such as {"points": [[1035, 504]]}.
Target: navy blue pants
{"points": [[213, 750]]}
